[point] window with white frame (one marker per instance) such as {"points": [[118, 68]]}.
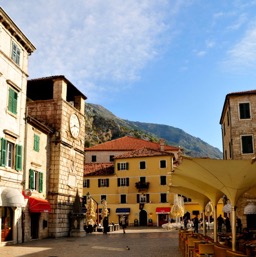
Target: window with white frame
{"points": [[86, 183], [36, 180], [142, 198], [122, 166], [142, 165], [163, 164], [122, 182], [10, 154], [247, 144], [103, 182]]}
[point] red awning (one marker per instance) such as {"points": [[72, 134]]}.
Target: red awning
{"points": [[163, 210], [39, 205]]}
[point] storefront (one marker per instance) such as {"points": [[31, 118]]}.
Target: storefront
{"points": [[123, 212], [163, 214], [36, 207], [11, 203]]}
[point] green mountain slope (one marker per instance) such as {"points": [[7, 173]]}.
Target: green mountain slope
{"points": [[102, 125]]}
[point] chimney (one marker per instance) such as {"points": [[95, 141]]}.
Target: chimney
{"points": [[162, 144]]}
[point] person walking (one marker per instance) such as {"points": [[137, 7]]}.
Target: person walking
{"points": [[123, 223]]}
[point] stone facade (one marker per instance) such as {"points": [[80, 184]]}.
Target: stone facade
{"points": [[237, 122], [67, 151], [15, 49]]}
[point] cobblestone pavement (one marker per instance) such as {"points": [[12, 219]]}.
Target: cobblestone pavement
{"points": [[135, 242]]}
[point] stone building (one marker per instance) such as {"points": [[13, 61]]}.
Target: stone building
{"points": [[238, 123], [15, 50], [35, 180], [57, 103]]}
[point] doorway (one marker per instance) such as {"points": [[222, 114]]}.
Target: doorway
{"points": [[7, 224], [251, 221], [143, 218], [34, 228]]}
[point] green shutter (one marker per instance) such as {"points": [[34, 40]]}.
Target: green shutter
{"points": [[118, 182], [31, 179], [118, 166], [107, 182], [36, 143], [18, 162], [40, 182], [127, 166], [3, 152], [12, 103]]}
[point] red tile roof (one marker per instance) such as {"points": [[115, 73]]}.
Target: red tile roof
{"points": [[98, 169], [128, 143], [143, 152]]}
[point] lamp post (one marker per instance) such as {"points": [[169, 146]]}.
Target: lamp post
{"points": [[90, 197]]}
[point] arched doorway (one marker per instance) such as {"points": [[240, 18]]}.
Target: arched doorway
{"points": [[143, 218]]}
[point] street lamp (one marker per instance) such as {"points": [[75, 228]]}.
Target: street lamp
{"points": [[90, 197]]}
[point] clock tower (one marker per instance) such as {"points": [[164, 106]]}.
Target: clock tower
{"points": [[57, 102]]}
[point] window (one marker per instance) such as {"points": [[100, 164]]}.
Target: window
{"points": [[163, 164], [122, 182], [10, 155], [122, 166], [244, 109], [163, 180], [123, 198], [36, 143], [12, 101], [111, 158], [86, 183], [103, 182], [163, 197], [142, 198], [36, 180], [143, 165], [94, 158], [142, 179], [103, 197], [247, 144], [15, 53]]}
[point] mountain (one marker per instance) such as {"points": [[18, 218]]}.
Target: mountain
{"points": [[102, 125]]}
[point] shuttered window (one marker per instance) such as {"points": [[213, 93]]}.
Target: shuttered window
{"points": [[12, 101], [36, 143]]}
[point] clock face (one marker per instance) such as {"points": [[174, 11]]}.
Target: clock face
{"points": [[74, 125]]}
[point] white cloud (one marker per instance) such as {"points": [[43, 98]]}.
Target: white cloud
{"points": [[93, 41], [243, 54]]}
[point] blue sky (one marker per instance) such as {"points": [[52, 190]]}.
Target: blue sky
{"points": [[168, 62]]}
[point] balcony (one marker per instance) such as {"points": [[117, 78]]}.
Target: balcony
{"points": [[142, 186]]}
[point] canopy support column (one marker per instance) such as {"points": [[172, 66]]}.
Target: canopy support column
{"points": [[215, 223], [233, 213]]}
